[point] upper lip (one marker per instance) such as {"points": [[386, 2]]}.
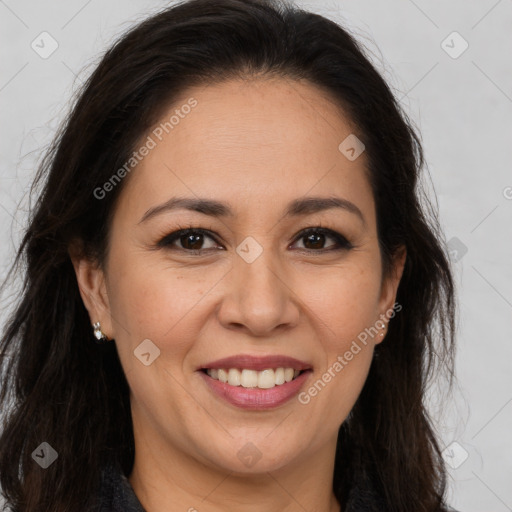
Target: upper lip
{"points": [[258, 362]]}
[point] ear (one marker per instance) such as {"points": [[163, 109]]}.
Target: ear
{"points": [[389, 286], [92, 286]]}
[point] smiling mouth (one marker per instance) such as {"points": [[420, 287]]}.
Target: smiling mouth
{"points": [[265, 379]]}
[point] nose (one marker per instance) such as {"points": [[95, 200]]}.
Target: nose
{"points": [[258, 297]]}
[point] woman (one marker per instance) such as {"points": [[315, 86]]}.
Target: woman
{"points": [[232, 212]]}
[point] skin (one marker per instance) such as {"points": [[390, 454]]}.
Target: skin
{"points": [[256, 144]]}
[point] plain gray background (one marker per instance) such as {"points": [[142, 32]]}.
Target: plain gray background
{"points": [[461, 102]]}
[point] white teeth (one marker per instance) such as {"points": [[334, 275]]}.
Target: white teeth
{"points": [[234, 377], [249, 379], [265, 379]]}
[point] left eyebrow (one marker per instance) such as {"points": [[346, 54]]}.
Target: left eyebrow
{"points": [[296, 208], [308, 205]]}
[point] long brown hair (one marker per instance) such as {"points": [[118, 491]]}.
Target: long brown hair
{"points": [[59, 387]]}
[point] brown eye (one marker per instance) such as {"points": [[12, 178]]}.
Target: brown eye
{"points": [[314, 239], [191, 239]]}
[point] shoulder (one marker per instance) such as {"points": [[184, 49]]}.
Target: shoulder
{"points": [[115, 493], [363, 497]]}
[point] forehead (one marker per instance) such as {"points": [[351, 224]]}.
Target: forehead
{"points": [[245, 142]]}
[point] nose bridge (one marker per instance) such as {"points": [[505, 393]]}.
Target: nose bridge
{"points": [[256, 270]]}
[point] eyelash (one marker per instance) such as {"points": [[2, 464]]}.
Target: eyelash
{"points": [[342, 242]]}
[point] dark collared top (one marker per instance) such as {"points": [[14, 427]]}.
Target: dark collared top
{"points": [[116, 495]]}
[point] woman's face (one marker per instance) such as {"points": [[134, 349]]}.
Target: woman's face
{"points": [[251, 284]]}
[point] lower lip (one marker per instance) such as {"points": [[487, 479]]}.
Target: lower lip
{"points": [[256, 398]]}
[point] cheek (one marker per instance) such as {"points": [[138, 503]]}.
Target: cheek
{"points": [[157, 301], [343, 308], [345, 301]]}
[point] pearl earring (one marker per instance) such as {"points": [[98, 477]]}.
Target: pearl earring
{"points": [[98, 334]]}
